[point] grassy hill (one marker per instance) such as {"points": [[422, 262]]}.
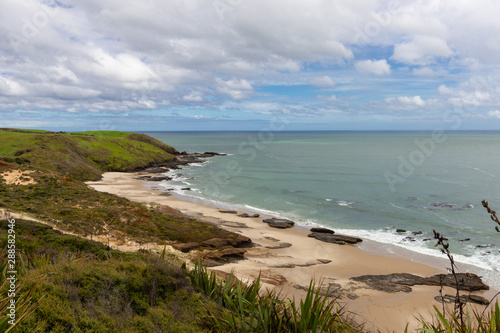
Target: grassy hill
{"points": [[56, 164], [77, 285], [82, 155]]}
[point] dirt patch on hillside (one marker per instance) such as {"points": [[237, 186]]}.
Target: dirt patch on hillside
{"points": [[18, 177]]}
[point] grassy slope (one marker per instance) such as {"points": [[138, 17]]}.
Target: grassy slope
{"points": [[85, 155], [60, 198], [79, 286]]}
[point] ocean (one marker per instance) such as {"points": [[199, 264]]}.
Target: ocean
{"points": [[366, 184]]}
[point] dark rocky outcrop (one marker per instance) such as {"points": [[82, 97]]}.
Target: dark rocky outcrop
{"points": [[180, 160], [467, 281], [324, 261], [328, 290], [248, 215], [238, 242], [335, 239], [485, 246], [279, 223], [331, 289], [154, 179], [159, 179], [228, 211], [211, 154], [279, 246], [464, 298], [186, 247], [220, 257], [400, 231], [442, 204], [322, 230], [396, 282]]}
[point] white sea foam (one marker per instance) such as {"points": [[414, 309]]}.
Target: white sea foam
{"points": [[487, 265], [345, 203], [388, 238]]}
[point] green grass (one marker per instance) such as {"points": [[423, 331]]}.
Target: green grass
{"points": [[101, 134], [11, 142], [477, 322], [73, 206], [22, 130], [83, 156], [32, 238], [68, 284], [141, 295], [61, 198], [245, 308], [128, 135]]}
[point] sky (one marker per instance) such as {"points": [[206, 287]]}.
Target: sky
{"points": [[178, 65]]}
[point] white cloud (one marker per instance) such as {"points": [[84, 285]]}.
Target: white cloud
{"points": [[409, 102], [194, 96], [114, 55], [471, 63], [322, 81], [421, 50], [494, 114], [332, 98], [480, 91], [377, 67], [423, 71], [237, 89], [9, 87], [123, 68], [415, 20], [444, 90]]}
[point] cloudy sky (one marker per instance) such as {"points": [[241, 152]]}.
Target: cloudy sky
{"points": [[247, 64]]}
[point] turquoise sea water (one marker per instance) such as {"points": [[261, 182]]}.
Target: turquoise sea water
{"points": [[366, 184]]}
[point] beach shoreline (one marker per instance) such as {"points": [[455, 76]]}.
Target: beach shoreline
{"points": [[287, 260]]}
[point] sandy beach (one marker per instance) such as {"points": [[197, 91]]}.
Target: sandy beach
{"points": [[290, 267]]}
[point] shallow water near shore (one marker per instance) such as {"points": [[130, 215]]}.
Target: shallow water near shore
{"points": [[366, 184]]}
